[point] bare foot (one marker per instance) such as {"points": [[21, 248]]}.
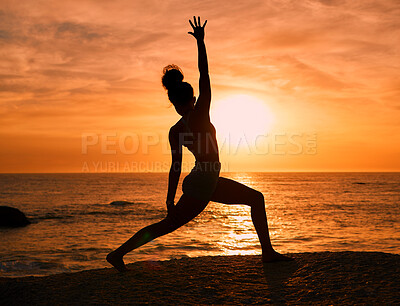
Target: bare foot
{"points": [[117, 262], [274, 257]]}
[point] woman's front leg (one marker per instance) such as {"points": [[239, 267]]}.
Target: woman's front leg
{"points": [[231, 192]]}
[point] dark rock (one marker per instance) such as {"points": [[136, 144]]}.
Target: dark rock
{"points": [[12, 217]]}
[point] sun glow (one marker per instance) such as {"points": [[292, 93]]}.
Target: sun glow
{"points": [[241, 118]]}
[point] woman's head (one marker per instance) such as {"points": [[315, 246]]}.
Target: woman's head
{"points": [[179, 93]]}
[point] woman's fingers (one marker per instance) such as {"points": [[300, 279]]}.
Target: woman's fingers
{"points": [[196, 23], [191, 24]]}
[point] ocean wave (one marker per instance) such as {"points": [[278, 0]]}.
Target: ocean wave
{"points": [[122, 203], [98, 210], [51, 216], [29, 265]]}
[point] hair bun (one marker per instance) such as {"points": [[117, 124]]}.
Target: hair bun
{"points": [[172, 76]]}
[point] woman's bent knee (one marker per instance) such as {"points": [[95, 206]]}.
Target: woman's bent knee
{"points": [[257, 198]]}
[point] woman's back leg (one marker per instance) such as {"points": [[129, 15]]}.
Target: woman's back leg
{"points": [[185, 210]]}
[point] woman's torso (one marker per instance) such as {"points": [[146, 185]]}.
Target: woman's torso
{"points": [[198, 134]]}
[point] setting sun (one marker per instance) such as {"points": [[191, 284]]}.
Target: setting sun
{"points": [[239, 116]]}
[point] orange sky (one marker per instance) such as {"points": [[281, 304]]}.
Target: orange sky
{"points": [[326, 70]]}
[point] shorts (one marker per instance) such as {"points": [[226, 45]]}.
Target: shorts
{"points": [[201, 182]]}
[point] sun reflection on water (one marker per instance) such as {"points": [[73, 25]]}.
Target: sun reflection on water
{"points": [[243, 178]]}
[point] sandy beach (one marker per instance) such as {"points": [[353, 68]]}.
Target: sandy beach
{"points": [[322, 278]]}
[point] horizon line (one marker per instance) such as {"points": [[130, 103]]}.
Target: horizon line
{"points": [[159, 172]]}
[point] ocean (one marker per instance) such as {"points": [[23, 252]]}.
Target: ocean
{"points": [[74, 225]]}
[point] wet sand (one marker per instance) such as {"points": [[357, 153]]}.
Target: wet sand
{"points": [[313, 278]]}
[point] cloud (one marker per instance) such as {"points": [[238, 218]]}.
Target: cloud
{"points": [[78, 31]]}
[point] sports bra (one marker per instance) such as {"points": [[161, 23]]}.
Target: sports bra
{"points": [[186, 123]]}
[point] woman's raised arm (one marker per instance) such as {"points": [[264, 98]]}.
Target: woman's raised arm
{"points": [[204, 83]]}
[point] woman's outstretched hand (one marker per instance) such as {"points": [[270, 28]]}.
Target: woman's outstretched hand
{"points": [[198, 29]]}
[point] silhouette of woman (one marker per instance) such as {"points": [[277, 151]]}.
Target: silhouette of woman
{"points": [[195, 131]]}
